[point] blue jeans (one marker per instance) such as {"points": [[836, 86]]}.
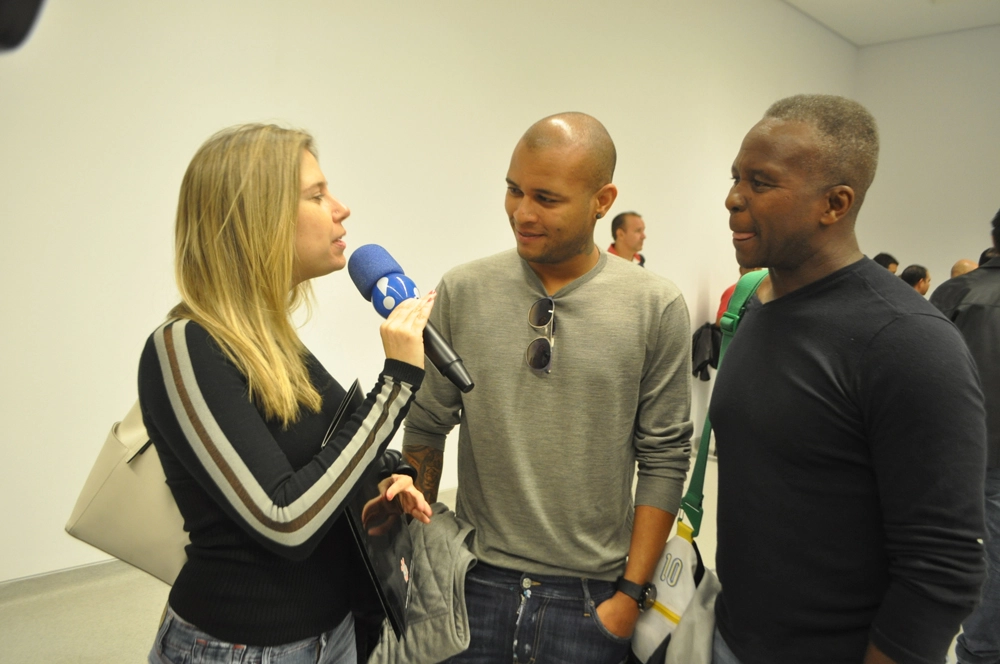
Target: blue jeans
{"points": [[721, 654], [979, 642], [520, 618], [180, 642]]}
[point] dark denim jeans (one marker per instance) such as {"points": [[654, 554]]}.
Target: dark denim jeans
{"points": [[979, 642], [180, 642], [519, 618]]}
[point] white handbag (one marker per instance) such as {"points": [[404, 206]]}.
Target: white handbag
{"points": [[692, 640], [681, 625], [678, 575], [126, 508]]}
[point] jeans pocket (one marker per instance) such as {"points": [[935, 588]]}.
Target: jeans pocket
{"points": [[165, 650], [604, 645], [598, 593], [607, 633]]}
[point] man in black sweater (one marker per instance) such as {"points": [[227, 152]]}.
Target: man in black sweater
{"points": [[972, 302], [849, 421]]}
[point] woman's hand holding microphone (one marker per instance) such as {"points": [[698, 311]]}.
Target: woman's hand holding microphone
{"points": [[402, 338], [402, 332]]}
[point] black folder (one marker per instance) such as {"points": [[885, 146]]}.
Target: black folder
{"points": [[381, 533]]}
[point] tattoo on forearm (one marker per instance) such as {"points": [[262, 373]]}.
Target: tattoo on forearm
{"points": [[428, 462]]}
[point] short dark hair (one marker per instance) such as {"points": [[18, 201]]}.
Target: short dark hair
{"points": [[848, 138], [913, 274], [619, 221], [996, 230], [989, 254], [885, 260]]}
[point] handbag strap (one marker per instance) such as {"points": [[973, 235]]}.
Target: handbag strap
{"points": [[692, 501], [131, 432]]}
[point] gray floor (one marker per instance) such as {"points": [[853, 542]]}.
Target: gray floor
{"points": [[108, 613], [98, 614]]}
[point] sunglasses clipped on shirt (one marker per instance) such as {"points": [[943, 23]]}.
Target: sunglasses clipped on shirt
{"points": [[542, 317]]}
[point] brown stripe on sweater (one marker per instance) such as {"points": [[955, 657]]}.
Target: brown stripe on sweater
{"points": [[356, 459], [232, 477]]}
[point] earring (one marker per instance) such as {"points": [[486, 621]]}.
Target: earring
{"points": [[600, 214]]}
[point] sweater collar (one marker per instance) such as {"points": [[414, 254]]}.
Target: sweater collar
{"points": [[536, 283]]}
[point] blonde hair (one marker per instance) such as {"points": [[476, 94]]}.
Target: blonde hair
{"points": [[234, 255]]}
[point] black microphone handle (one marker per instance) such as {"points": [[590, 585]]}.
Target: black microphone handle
{"points": [[444, 357]]}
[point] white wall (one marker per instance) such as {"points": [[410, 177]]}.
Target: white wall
{"points": [[937, 101], [415, 106]]}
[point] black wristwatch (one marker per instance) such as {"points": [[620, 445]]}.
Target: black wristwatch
{"points": [[644, 596]]}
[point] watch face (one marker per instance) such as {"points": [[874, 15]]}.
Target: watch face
{"points": [[648, 596]]}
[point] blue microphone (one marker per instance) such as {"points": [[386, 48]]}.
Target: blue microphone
{"points": [[390, 290], [381, 281]]}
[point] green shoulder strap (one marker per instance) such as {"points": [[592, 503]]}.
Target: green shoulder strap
{"points": [[691, 504]]}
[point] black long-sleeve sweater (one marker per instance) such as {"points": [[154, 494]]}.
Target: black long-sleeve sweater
{"points": [[851, 440], [271, 558]]}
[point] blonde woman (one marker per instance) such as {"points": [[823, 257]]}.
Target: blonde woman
{"points": [[237, 408]]}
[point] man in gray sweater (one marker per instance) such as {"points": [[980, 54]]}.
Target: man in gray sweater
{"points": [[582, 369]]}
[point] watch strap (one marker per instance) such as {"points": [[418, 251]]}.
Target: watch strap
{"points": [[633, 590]]}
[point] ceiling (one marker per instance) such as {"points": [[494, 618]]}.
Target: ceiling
{"points": [[868, 22]]}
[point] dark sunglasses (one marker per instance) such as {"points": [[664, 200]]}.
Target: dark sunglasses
{"points": [[541, 316]]}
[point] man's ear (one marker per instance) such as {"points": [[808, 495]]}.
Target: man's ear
{"points": [[839, 202], [605, 198]]}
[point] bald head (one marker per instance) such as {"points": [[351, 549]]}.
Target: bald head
{"points": [[963, 266], [577, 134]]}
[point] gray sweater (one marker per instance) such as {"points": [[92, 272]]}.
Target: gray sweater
{"points": [[546, 460]]}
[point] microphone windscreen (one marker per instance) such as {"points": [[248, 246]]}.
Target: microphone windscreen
{"points": [[367, 265]]}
